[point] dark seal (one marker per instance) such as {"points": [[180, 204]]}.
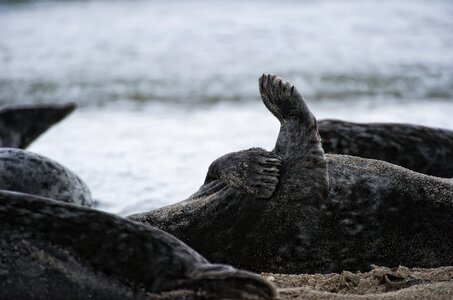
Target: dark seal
{"points": [[22, 124], [26, 172], [419, 148], [55, 250], [327, 213]]}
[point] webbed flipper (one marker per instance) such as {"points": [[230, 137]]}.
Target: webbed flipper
{"points": [[298, 143], [253, 171]]}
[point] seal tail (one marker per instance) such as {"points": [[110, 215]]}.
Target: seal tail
{"points": [[21, 125]]}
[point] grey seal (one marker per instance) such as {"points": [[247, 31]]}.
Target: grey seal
{"points": [[419, 148], [327, 213], [31, 173], [22, 124], [56, 250]]}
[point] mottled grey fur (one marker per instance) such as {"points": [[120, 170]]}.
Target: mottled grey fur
{"points": [[27, 172], [327, 213], [54, 250], [22, 124], [419, 148]]}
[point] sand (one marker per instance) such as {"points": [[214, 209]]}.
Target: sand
{"points": [[379, 283]]}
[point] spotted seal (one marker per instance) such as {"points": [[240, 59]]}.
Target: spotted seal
{"points": [[56, 250], [328, 213], [419, 148], [31, 173], [22, 124]]}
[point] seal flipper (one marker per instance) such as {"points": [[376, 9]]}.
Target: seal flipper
{"points": [[253, 171], [298, 142], [21, 125]]}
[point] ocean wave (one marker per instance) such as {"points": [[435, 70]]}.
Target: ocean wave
{"points": [[202, 52]]}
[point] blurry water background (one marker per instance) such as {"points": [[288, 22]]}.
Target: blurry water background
{"points": [[165, 87]]}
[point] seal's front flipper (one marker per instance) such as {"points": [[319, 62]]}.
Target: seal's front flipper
{"points": [[21, 125], [254, 171]]}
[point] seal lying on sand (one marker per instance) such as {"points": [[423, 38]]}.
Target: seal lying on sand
{"points": [[21, 125], [419, 148], [54, 250], [328, 212], [27, 172]]}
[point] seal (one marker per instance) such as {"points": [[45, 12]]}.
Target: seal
{"points": [[22, 124], [55, 250], [419, 148], [27, 172], [328, 213]]}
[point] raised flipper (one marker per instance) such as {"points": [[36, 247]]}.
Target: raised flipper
{"points": [[21, 125], [253, 171], [283, 100], [298, 143]]}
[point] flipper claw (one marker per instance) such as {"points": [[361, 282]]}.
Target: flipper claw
{"points": [[254, 171]]}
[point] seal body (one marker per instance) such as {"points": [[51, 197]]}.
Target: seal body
{"points": [[419, 148], [22, 124], [27, 172], [55, 250], [327, 213]]}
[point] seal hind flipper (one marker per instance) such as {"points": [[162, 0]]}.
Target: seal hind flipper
{"points": [[21, 125], [111, 253]]}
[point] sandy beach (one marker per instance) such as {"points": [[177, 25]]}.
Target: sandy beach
{"points": [[379, 283]]}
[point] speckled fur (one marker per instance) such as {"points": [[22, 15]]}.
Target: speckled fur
{"points": [[328, 213], [20, 125], [54, 250], [27, 172], [419, 148]]}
